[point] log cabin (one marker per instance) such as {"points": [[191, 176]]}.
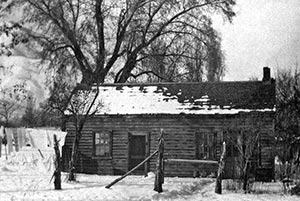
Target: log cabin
{"points": [[195, 117]]}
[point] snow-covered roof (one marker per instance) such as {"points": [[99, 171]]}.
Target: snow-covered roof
{"points": [[188, 98]]}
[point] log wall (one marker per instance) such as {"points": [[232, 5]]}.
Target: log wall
{"points": [[180, 134]]}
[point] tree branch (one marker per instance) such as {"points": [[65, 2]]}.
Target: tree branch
{"points": [[100, 35], [147, 73]]}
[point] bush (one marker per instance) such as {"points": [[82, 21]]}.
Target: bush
{"points": [[296, 190]]}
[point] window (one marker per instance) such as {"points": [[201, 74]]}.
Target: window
{"points": [[102, 144], [206, 146]]}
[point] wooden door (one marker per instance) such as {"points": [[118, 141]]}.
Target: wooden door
{"points": [[137, 152]]}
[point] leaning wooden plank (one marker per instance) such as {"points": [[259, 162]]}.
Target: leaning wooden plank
{"points": [[191, 161], [130, 171], [41, 153]]}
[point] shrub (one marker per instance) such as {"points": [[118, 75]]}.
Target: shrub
{"points": [[296, 190]]}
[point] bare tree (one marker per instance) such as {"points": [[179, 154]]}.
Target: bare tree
{"points": [[244, 137], [191, 58], [11, 102], [7, 109], [61, 92], [287, 118], [215, 58], [83, 105], [97, 37]]}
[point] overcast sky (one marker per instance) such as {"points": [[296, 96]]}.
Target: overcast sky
{"points": [[264, 33]]}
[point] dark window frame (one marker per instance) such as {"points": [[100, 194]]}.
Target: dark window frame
{"points": [[206, 145]]}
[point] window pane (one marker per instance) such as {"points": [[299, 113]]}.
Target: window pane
{"points": [[200, 145], [97, 151], [97, 138], [101, 151], [205, 139], [106, 149]]}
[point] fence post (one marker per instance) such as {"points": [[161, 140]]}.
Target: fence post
{"points": [[57, 172], [159, 175], [218, 188]]}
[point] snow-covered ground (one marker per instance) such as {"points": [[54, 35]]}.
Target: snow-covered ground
{"points": [[29, 180]]}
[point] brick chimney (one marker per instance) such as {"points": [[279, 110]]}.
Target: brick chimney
{"points": [[267, 74]]}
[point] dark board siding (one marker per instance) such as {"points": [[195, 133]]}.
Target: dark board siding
{"points": [[180, 131]]}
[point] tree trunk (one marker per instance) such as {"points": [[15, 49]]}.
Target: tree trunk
{"points": [[128, 67], [6, 122], [6, 152], [159, 176], [57, 172], [0, 146], [218, 188], [245, 177], [63, 125], [4, 142], [74, 155], [88, 78], [245, 181]]}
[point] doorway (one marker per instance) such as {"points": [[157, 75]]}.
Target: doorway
{"points": [[137, 152]]}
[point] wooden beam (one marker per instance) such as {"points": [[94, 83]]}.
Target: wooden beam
{"points": [[191, 161]]}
